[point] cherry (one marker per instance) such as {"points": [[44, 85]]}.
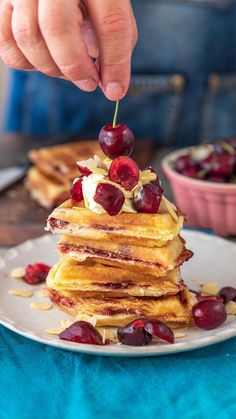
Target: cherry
{"points": [[209, 297], [134, 334], [183, 162], [116, 139], [209, 314], [109, 197], [82, 332], [159, 330], [149, 198], [125, 171], [227, 294], [84, 170], [36, 273], [190, 171], [222, 165], [76, 192]]}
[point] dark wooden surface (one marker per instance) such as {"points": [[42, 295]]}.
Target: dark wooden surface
{"points": [[20, 217]]}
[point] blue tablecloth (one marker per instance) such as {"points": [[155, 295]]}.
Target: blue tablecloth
{"points": [[40, 382]]}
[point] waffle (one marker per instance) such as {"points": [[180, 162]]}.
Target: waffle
{"points": [[129, 229], [45, 190], [59, 162], [101, 281], [155, 261], [173, 310]]}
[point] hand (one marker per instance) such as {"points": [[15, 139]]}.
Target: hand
{"points": [[59, 37]]}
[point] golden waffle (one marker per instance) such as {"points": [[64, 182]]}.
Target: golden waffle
{"points": [[173, 310], [155, 261], [59, 162], [125, 228], [101, 281], [45, 190]]}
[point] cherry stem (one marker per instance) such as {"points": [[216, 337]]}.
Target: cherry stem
{"points": [[115, 114]]}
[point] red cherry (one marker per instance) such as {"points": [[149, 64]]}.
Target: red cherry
{"points": [[117, 141], [84, 170], [76, 192], [183, 162], [134, 334], [209, 314], [125, 171], [227, 294], [149, 198], [36, 273], [109, 197], [209, 297], [82, 332], [159, 330], [222, 165]]}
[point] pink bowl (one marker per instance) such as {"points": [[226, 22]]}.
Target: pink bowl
{"points": [[207, 205]]}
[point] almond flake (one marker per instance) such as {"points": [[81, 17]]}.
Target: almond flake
{"points": [[66, 323], [54, 331], [231, 308], [180, 335], [107, 334], [171, 208], [18, 273], [146, 176], [43, 293], [20, 293], [209, 288], [40, 306], [98, 171]]}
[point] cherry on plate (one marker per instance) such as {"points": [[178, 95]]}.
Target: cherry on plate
{"points": [[209, 314], [159, 330], [76, 191], [125, 171], [227, 294], [109, 197], [82, 332], [209, 297], [149, 198], [134, 334], [36, 273], [117, 141]]}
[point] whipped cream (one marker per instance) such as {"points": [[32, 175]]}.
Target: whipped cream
{"points": [[89, 186]]}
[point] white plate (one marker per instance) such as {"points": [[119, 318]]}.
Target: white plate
{"points": [[214, 260]]}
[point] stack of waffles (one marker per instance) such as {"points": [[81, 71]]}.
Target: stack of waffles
{"points": [[49, 180], [115, 269]]}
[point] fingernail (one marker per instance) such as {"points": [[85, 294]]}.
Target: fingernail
{"points": [[88, 85], [114, 91]]}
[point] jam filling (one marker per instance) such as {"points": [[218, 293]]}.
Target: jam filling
{"points": [[54, 223], [104, 227], [59, 299], [112, 312], [66, 248], [115, 285]]}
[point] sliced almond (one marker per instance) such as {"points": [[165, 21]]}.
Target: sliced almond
{"points": [[107, 334], [20, 293], [209, 288], [43, 293], [54, 331], [171, 208], [41, 306], [231, 308], [180, 335], [146, 176], [66, 323], [18, 273], [98, 171]]}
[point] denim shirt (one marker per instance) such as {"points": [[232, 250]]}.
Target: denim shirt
{"points": [[183, 87]]}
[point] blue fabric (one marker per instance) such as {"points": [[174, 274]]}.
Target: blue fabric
{"points": [[194, 40], [40, 382]]}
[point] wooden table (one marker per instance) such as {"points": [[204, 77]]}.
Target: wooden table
{"points": [[20, 217]]}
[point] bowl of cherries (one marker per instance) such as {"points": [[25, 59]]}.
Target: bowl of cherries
{"points": [[203, 180]]}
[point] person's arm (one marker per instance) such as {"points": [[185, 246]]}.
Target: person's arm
{"points": [[59, 37]]}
